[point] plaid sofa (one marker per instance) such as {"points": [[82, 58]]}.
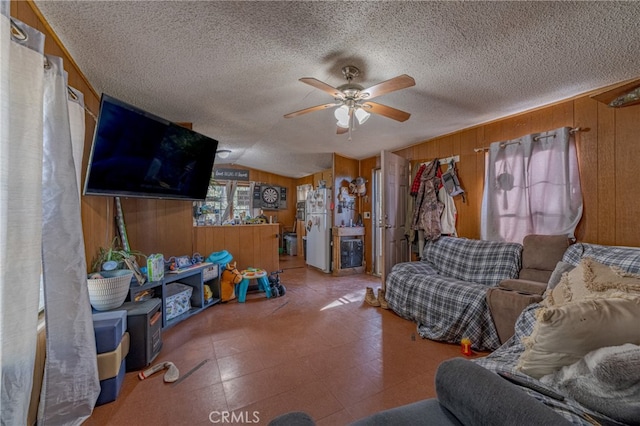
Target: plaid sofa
{"points": [[445, 293]]}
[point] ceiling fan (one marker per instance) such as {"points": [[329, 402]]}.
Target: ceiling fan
{"points": [[352, 99]]}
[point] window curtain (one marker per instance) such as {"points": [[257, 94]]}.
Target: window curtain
{"points": [[230, 191], [532, 186], [41, 234]]}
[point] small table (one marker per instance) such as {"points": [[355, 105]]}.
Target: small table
{"points": [[252, 274]]}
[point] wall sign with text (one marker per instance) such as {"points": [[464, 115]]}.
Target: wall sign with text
{"points": [[231, 174]]}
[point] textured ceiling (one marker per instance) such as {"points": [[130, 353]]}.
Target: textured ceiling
{"points": [[232, 68]]}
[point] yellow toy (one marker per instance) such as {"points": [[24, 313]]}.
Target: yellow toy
{"points": [[228, 280], [208, 294]]}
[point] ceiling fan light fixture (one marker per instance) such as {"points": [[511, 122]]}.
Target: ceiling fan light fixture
{"points": [[362, 115], [223, 153], [342, 115]]}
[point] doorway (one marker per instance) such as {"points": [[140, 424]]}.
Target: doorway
{"points": [[376, 220]]}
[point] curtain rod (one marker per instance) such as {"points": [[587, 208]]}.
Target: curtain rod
{"points": [[537, 138]]}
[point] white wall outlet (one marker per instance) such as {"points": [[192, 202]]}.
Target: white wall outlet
{"points": [[367, 215]]}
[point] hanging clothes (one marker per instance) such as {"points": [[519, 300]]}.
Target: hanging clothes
{"points": [[427, 211], [415, 187], [411, 200], [449, 212]]}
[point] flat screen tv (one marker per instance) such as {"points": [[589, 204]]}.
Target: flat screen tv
{"points": [[137, 154]]}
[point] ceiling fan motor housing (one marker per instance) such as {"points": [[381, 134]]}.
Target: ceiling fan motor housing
{"points": [[350, 72]]}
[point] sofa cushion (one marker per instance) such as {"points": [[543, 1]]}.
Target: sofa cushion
{"points": [[540, 253], [523, 286]]}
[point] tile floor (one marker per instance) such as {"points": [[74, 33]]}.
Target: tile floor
{"points": [[318, 349]]}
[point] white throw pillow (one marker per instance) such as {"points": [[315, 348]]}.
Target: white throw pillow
{"points": [[593, 306], [564, 334]]}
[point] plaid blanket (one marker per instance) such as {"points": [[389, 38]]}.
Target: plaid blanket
{"points": [[506, 357], [476, 261], [626, 258], [446, 292]]}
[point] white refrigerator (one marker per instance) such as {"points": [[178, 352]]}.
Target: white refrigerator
{"points": [[318, 226]]}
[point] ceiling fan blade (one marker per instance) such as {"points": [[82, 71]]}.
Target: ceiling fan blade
{"points": [[400, 82], [386, 111], [311, 109], [341, 130], [323, 86]]}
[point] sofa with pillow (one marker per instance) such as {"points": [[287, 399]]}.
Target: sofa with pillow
{"points": [[583, 339], [445, 292]]}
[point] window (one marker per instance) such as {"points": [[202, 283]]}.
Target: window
{"points": [[532, 186], [216, 209]]}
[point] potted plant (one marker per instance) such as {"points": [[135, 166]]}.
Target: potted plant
{"points": [[113, 253]]}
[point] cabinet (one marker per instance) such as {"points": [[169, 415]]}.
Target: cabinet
{"points": [[196, 278], [348, 250], [144, 325]]}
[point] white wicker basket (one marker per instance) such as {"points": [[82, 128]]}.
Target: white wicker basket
{"points": [[111, 291]]}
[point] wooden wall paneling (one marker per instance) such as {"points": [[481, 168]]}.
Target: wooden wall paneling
{"points": [[474, 232], [562, 115], [24, 12], [175, 221], [264, 247], [230, 241], [366, 205], [586, 117], [466, 169], [97, 225], [627, 152], [539, 121], [199, 239], [492, 132], [210, 241], [606, 175], [511, 127], [306, 180]]}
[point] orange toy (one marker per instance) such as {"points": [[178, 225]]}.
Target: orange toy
{"points": [[466, 346], [228, 280]]}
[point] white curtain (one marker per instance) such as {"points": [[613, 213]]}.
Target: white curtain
{"points": [[76, 123], [21, 89], [532, 186], [71, 386], [40, 233], [230, 191]]}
